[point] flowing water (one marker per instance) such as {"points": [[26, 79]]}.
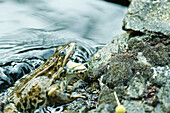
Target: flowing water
{"points": [[30, 30]]}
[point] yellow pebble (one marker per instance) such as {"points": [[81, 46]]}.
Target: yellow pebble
{"points": [[120, 109]]}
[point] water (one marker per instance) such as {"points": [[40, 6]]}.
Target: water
{"points": [[31, 24], [30, 30]]}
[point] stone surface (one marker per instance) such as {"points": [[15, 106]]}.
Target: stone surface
{"points": [[163, 96], [136, 89], [105, 99], [103, 108], [136, 63], [104, 55], [148, 16], [136, 66], [134, 107]]}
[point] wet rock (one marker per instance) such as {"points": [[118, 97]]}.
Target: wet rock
{"points": [[106, 96], [2, 101], [11, 73], [106, 101], [134, 106], [161, 75], [155, 55], [15, 70], [148, 16], [77, 106], [163, 96], [5, 81], [136, 69], [104, 55], [136, 89], [103, 108]]}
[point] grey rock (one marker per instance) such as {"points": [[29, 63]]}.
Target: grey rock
{"points": [[102, 57], [103, 108], [136, 63], [164, 97], [136, 69], [136, 89], [148, 16], [134, 107]]}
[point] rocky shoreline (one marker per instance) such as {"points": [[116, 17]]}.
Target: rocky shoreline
{"points": [[136, 63]]}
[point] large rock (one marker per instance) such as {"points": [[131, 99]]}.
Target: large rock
{"points": [[102, 57], [148, 16], [137, 68], [136, 63]]}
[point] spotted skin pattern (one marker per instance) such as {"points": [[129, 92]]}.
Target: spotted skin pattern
{"points": [[44, 85]]}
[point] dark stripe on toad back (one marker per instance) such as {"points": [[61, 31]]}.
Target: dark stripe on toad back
{"points": [[21, 110], [33, 90], [29, 110], [31, 104], [40, 98], [41, 103], [21, 100], [33, 107], [37, 96], [34, 101], [19, 107], [30, 101], [25, 102]]}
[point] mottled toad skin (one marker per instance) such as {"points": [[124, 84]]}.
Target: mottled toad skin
{"points": [[44, 85]]}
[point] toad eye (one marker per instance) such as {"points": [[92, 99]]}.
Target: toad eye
{"points": [[62, 52]]}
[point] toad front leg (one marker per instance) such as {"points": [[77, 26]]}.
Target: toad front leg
{"points": [[55, 95]]}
